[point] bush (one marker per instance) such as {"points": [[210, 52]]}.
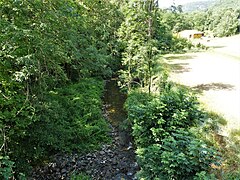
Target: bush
{"points": [[180, 45], [68, 119], [166, 148], [6, 167], [178, 156], [155, 118]]}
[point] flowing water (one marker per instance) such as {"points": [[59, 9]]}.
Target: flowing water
{"points": [[114, 101]]}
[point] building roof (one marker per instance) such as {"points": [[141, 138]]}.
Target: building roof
{"points": [[190, 32]]}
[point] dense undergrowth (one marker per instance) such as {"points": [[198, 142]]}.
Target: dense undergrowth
{"points": [[69, 119], [168, 147], [49, 103], [177, 139]]}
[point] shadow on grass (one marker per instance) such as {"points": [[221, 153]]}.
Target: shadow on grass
{"points": [[216, 47], [179, 57], [176, 66], [179, 67], [213, 86]]}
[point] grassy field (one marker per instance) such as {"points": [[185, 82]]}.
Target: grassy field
{"points": [[214, 73]]}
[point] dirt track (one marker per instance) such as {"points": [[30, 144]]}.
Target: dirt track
{"points": [[216, 74]]}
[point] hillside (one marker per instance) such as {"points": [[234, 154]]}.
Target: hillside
{"points": [[211, 4], [220, 4], [198, 6]]}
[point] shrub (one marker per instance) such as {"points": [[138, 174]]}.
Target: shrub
{"points": [[166, 148], [179, 156], [68, 119], [6, 167], [157, 117]]}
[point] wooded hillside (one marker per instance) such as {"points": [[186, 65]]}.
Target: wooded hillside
{"points": [[198, 6], [220, 4], [210, 4]]}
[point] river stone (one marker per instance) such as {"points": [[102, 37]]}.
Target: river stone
{"points": [[129, 173], [63, 170], [112, 162]]}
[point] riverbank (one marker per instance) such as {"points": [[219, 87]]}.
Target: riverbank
{"points": [[114, 161]]}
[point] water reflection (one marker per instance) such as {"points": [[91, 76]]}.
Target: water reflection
{"points": [[114, 101]]}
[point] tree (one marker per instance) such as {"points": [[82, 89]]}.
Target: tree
{"points": [[221, 19], [46, 45], [138, 35]]}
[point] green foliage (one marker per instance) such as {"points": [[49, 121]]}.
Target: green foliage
{"points": [[179, 45], [137, 42], [223, 22], [166, 148], [231, 154], [6, 167], [179, 156], [49, 102], [234, 4], [68, 119], [158, 117], [228, 146], [216, 117], [145, 33], [174, 21], [198, 20], [203, 175], [80, 176], [221, 19], [44, 46]]}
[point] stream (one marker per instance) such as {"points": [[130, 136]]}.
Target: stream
{"points": [[114, 109], [114, 102], [115, 161], [115, 113]]}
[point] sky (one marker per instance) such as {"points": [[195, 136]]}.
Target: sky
{"points": [[167, 3]]}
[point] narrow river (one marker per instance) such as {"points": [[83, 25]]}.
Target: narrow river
{"points": [[114, 161], [114, 101]]}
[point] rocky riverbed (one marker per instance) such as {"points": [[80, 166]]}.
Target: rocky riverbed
{"points": [[115, 161]]}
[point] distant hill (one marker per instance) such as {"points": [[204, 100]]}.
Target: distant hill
{"points": [[210, 4], [198, 6], [220, 4]]}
